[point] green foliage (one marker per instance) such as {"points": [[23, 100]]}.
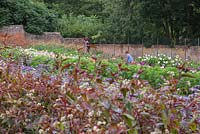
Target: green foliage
{"points": [[79, 26], [58, 49], [107, 21], [156, 76], [5, 16], [36, 60], [55, 102], [35, 16], [186, 82], [162, 68]]}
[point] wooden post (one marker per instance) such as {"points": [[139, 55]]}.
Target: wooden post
{"points": [[114, 46], [128, 44], [142, 48], [171, 51], [157, 47]]}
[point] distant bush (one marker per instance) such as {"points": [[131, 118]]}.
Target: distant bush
{"points": [[79, 26]]}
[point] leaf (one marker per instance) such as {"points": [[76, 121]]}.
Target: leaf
{"points": [[129, 117], [60, 126], [106, 104], [99, 80], [125, 69], [129, 107], [130, 120], [85, 105], [145, 114], [124, 91], [70, 96], [174, 131], [64, 60], [133, 131], [165, 118], [65, 67], [187, 75], [193, 126], [116, 109]]}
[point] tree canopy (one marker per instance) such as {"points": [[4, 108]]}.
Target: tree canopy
{"points": [[118, 21]]}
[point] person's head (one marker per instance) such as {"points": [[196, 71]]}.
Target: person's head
{"points": [[126, 52], [86, 38]]}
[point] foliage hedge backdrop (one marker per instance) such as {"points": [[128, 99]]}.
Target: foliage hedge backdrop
{"points": [[108, 21]]}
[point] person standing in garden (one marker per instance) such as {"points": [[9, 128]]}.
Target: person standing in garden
{"points": [[129, 58], [86, 45]]}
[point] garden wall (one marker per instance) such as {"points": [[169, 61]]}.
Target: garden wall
{"points": [[16, 35], [13, 35], [191, 53]]}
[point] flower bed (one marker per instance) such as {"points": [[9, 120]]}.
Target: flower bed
{"points": [[102, 97]]}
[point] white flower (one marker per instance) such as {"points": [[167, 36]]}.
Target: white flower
{"points": [[89, 130], [58, 99], [188, 83], [62, 118], [79, 97], [55, 123], [41, 131], [39, 104], [2, 116], [100, 123], [99, 113], [29, 94], [7, 112], [70, 116], [95, 128], [91, 113], [120, 124]]}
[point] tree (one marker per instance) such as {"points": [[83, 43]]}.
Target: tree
{"points": [[35, 16], [175, 19], [79, 26]]}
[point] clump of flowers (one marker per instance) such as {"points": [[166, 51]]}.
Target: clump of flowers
{"points": [[161, 60]]}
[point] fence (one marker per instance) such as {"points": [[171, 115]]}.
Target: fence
{"points": [[186, 52]]}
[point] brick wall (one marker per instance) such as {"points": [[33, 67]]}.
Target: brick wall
{"points": [[14, 35], [46, 37]]}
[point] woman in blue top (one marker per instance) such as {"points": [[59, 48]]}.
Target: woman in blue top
{"points": [[129, 58]]}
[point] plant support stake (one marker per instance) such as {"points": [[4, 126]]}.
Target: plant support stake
{"points": [[157, 47]]}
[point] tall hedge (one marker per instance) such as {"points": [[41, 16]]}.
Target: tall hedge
{"points": [[35, 16]]}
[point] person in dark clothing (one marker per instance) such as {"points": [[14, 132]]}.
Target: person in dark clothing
{"points": [[86, 45]]}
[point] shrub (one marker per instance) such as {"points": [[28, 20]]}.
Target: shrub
{"points": [[79, 26], [35, 16]]}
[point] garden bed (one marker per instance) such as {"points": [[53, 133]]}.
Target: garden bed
{"points": [[79, 93]]}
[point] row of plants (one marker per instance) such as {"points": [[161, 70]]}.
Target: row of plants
{"points": [[155, 69]]}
